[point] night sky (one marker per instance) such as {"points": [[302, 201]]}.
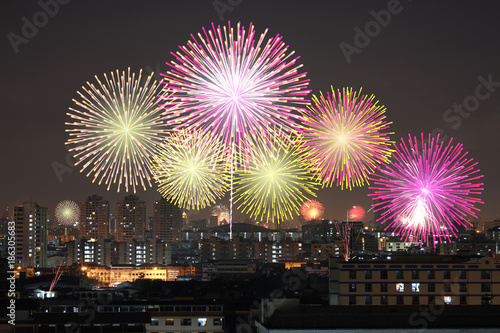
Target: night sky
{"points": [[430, 56]]}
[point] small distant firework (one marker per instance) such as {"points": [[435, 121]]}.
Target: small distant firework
{"points": [[357, 214], [67, 212], [228, 84], [429, 189], [345, 138], [276, 186], [312, 210], [188, 170], [117, 128], [222, 213]]}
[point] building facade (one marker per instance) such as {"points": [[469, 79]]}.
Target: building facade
{"points": [[130, 219], [31, 235], [167, 221], [94, 218], [421, 281]]}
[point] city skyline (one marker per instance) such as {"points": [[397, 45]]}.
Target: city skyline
{"points": [[419, 72]]}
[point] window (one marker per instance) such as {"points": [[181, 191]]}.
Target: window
{"points": [[485, 274], [169, 322], [415, 287], [368, 287], [383, 275], [352, 275], [352, 300], [399, 274], [447, 299], [485, 287], [154, 322], [431, 275], [400, 287], [383, 287], [463, 299], [431, 287], [186, 322], [202, 321], [368, 275], [217, 321], [463, 287], [414, 274], [415, 300], [352, 287], [462, 274], [447, 287], [431, 299], [447, 275], [368, 300], [400, 300], [383, 300]]}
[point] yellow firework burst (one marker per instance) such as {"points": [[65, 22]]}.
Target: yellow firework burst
{"points": [[277, 186], [188, 169], [117, 128]]}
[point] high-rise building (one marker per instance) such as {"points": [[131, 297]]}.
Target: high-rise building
{"points": [[31, 235], [167, 221], [94, 218], [130, 219]]}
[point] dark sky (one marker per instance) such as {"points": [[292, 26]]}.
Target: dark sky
{"points": [[426, 59]]}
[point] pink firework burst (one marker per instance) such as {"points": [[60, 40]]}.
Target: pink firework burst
{"points": [[428, 190], [312, 210], [345, 137], [357, 213], [229, 84]]}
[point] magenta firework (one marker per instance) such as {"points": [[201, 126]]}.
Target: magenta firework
{"points": [[346, 137], [429, 189], [229, 84]]}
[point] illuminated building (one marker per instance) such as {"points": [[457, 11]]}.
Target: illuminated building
{"points": [[167, 221], [94, 218], [418, 280], [130, 219], [31, 235]]}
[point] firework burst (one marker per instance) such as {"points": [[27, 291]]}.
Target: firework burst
{"points": [[229, 84], [345, 138], [357, 213], [188, 168], [67, 212], [117, 128], [312, 210], [428, 190], [276, 186]]}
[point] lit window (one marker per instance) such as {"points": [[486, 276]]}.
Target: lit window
{"points": [[202, 321], [415, 287], [400, 287], [447, 299]]}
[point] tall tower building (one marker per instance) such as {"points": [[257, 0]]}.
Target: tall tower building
{"points": [[130, 219], [94, 218], [167, 221], [31, 235]]}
